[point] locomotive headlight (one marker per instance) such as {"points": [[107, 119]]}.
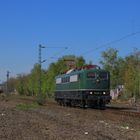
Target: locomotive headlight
{"points": [[97, 80], [90, 93], [104, 93]]}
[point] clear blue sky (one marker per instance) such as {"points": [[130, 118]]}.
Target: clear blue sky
{"points": [[81, 25]]}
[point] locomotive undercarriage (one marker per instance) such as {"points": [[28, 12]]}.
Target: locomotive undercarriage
{"points": [[83, 99]]}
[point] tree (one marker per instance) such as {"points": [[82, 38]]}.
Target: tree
{"points": [[80, 61], [34, 80], [60, 67], [132, 74], [29, 84], [109, 62], [21, 84]]}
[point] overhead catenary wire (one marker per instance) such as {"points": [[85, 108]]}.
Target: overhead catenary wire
{"points": [[58, 53], [111, 42], [99, 47]]}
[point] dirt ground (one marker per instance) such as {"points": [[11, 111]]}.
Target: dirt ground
{"points": [[54, 122]]}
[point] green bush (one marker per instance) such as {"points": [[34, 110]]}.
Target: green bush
{"points": [[41, 99], [25, 106]]}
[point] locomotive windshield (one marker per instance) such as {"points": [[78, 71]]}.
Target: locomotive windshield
{"points": [[90, 75], [103, 75]]}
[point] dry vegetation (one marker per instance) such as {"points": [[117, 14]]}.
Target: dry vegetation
{"points": [[22, 119]]}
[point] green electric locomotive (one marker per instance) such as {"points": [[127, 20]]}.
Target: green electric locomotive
{"points": [[88, 86]]}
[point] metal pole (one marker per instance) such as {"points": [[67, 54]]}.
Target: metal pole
{"points": [[7, 89], [138, 57], [39, 61]]}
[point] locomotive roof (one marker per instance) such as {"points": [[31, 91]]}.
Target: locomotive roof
{"points": [[80, 70]]}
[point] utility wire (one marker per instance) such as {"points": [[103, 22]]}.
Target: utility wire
{"points": [[56, 54], [60, 52], [112, 42]]}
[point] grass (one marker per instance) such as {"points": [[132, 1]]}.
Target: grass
{"points": [[27, 106]]}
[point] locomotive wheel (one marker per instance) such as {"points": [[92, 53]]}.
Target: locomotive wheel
{"points": [[60, 103], [102, 105], [69, 103], [82, 104], [63, 103], [73, 103]]}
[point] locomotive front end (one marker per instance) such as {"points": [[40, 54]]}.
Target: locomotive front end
{"points": [[97, 87]]}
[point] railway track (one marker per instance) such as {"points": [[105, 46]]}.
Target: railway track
{"points": [[126, 111]]}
